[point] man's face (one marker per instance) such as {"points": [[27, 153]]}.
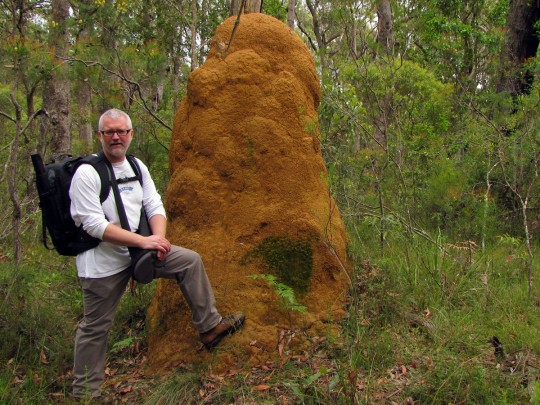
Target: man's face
{"points": [[114, 145]]}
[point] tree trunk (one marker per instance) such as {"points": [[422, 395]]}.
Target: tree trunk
{"points": [[319, 35], [177, 63], [385, 38], [385, 35], [251, 6], [353, 42], [12, 180], [85, 111], [521, 44], [108, 38], [85, 89], [56, 95], [193, 29], [291, 13]]}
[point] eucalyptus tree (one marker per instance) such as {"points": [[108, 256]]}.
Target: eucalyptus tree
{"points": [[385, 24], [521, 44], [456, 39], [518, 144], [291, 15], [56, 94], [84, 36], [23, 71], [319, 23], [245, 6]]}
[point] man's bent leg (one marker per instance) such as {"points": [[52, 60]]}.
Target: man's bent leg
{"points": [[187, 268], [100, 297]]}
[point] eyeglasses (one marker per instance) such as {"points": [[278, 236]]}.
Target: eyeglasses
{"points": [[120, 132]]}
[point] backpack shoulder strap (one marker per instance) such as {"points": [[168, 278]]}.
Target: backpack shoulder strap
{"points": [[136, 168], [99, 163]]}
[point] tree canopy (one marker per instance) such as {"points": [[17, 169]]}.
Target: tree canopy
{"points": [[422, 122]]}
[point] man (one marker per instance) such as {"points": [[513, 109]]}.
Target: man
{"points": [[103, 271]]}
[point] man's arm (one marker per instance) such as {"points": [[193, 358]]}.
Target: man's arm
{"points": [[158, 225], [154, 209], [118, 236]]}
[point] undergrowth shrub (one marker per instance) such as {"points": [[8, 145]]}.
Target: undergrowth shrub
{"points": [[424, 311], [128, 333], [39, 306]]}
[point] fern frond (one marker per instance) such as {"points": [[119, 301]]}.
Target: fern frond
{"points": [[283, 291]]}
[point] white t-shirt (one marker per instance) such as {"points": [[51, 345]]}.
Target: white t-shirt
{"points": [[107, 259]]}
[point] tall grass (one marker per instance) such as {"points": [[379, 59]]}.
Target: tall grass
{"points": [[433, 309], [38, 309], [40, 306]]}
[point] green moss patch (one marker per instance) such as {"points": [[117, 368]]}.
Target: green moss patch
{"points": [[290, 260]]}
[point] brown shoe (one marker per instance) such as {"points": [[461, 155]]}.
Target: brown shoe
{"points": [[227, 326]]}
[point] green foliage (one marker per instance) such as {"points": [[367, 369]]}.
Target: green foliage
{"points": [[30, 311], [446, 194], [289, 259], [454, 35], [392, 165], [468, 382], [284, 292], [276, 8], [40, 303], [432, 309], [307, 388], [129, 329], [122, 344]]}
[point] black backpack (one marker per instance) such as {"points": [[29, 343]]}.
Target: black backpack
{"points": [[53, 181]]}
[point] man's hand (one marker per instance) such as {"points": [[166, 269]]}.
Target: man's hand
{"points": [[158, 243], [161, 256], [158, 224]]}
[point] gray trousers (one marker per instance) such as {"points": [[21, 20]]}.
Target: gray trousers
{"points": [[100, 300]]}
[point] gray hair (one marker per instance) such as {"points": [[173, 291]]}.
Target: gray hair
{"points": [[114, 113]]}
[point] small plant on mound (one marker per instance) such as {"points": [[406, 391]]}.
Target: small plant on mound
{"points": [[289, 260], [284, 292]]}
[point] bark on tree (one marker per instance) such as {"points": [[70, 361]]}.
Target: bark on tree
{"points": [[12, 179], [13, 167], [291, 13], [85, 90], [251, 6], [352, 40], [109, 37], [85, 111], [385, 39], [193, 29], [176, 79], [385, 34], [56, 95], [521, 43], [320, 37]]}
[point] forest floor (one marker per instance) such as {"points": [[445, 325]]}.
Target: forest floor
{"points": [[385, 352]]}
